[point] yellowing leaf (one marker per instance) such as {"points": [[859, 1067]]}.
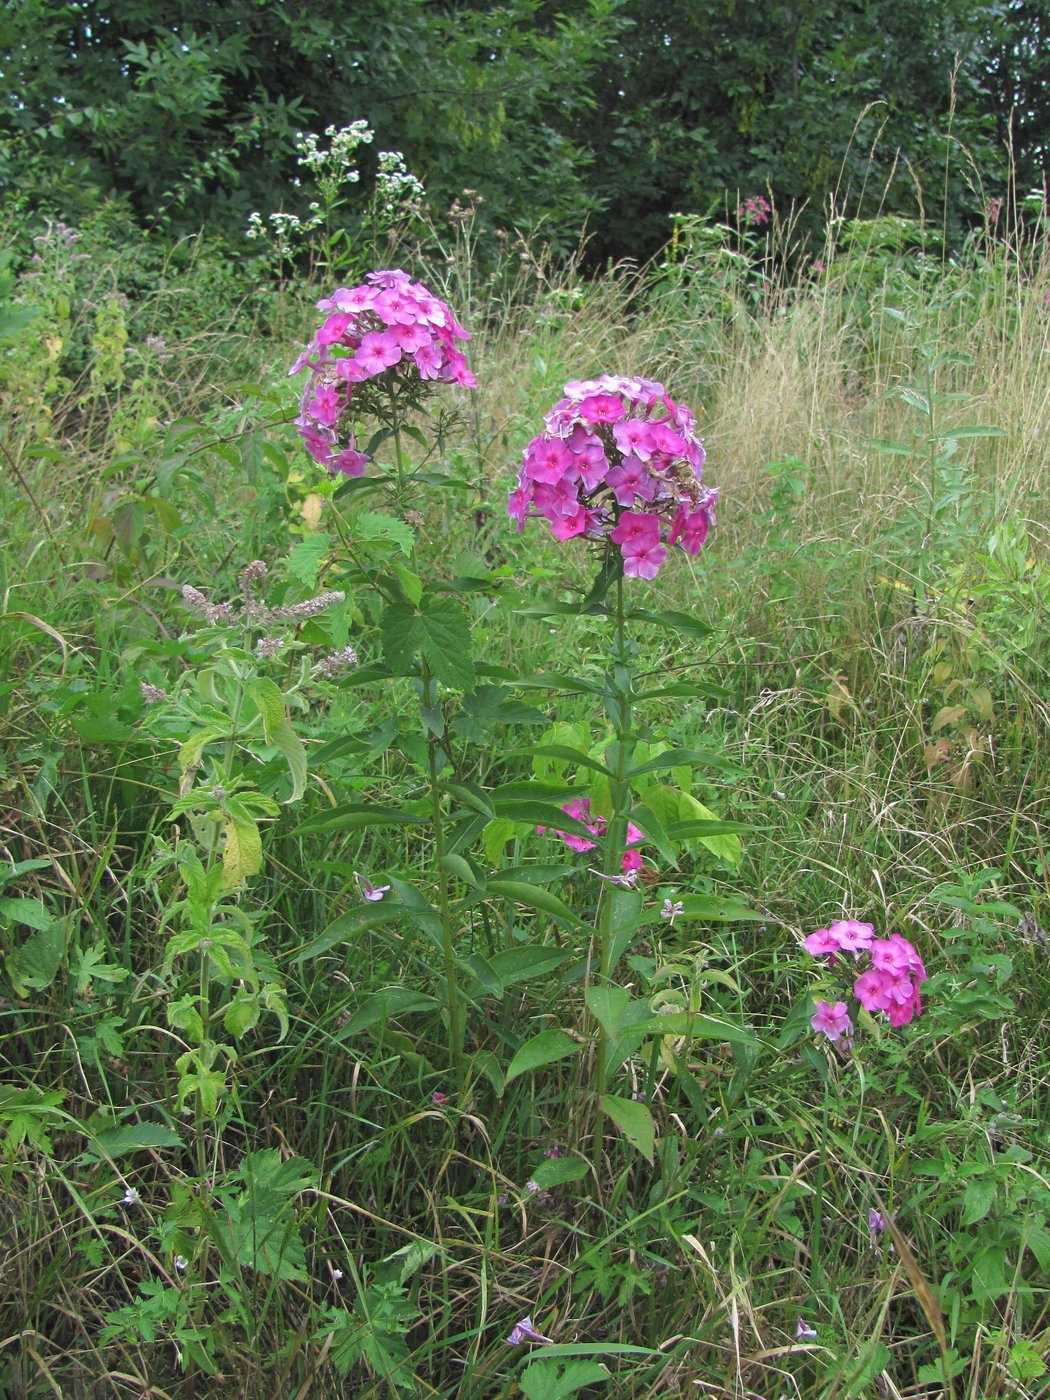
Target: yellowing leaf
{"points": [[242, 853], [947, 714]]}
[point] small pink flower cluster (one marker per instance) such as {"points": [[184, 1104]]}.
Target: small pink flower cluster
{"points": [[891, 984], [580, 809], [755, 211], [387, 323], [619, 460]]}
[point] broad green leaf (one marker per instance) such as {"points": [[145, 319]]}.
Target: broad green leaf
{"points": [[543, 1049], [551, 1379], [675, 758], [290, 745], [269, 700], [534, 897], [352, 816], [978, 1197], [130, 1137], [370, 525], [559, 1171], [522, 963], [385, 1004], [726, 847], [682, 622], [29, 912], [607, 1005], [439, 632], [696, 1026], [346, 928], [570, 756], [35, 963], [304, 558], [495, 837], [634, 1120]]}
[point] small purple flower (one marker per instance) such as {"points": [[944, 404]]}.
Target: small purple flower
{"points": [[876, 1222], [804, 1332], [832, 1020], [437, 1097], [670, 911], [371, 893], [532, 1187], [524, 1331]]}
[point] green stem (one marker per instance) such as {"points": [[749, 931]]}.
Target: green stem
{"points": [[453, 1005], [615, 845]]}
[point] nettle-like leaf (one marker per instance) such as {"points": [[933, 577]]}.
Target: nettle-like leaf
{"points": [[258, 1228], [438, 631], [304, 558]]}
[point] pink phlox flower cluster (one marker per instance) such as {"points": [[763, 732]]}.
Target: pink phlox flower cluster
{"points": [[580, 810], [388, 322], [619, 460], [891, 984]]}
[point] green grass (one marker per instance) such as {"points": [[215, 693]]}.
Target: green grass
{"points": [[875, 683]]}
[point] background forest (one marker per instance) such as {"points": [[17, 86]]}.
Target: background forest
{"points": [[607, 958]]}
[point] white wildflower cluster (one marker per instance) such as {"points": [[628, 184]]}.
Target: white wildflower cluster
{"points": [[338, 158], [394, 184], [284, 229]]}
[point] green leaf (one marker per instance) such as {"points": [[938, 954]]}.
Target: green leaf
{"points": [[607, 1005], [543, 1049], [130, 1137], [634, 1120], [559, 1171], [346, 928], [242, 854], [269, 700], [682, 622], [290, 745], [569, 755], [29, 912], [35, 964], [494, 839], [551, 1380], [372, 526], [978, 1197], [534, 897], [383, 1005], [304, 558], [352, 816], [726, 847], [439, 633], [522, 963]]}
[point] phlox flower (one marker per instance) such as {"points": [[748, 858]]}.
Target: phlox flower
{"points": [[832, 1020], [618, 461], [580, 809], [890, 985], [388, 326]]}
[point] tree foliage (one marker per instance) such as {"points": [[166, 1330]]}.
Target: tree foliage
{"points": [[611, 112]]}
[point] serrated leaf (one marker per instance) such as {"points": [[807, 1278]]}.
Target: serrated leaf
{"points": [[978, 1198], [242, 853], [370, 525], [29, 912], [131, 1137], [634, 1120], [543, 1049], [269, 700], [552, 1380], [439, 633], [288, 742], [304, 558]]}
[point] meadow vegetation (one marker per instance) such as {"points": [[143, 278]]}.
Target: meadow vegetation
{"points": [[325, 1072]]}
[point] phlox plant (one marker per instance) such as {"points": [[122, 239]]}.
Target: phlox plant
{"points": [[619, 467], [890, 985]]}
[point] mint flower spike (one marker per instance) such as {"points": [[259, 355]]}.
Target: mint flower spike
{"points": [[619, 461], [388, 328]]}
